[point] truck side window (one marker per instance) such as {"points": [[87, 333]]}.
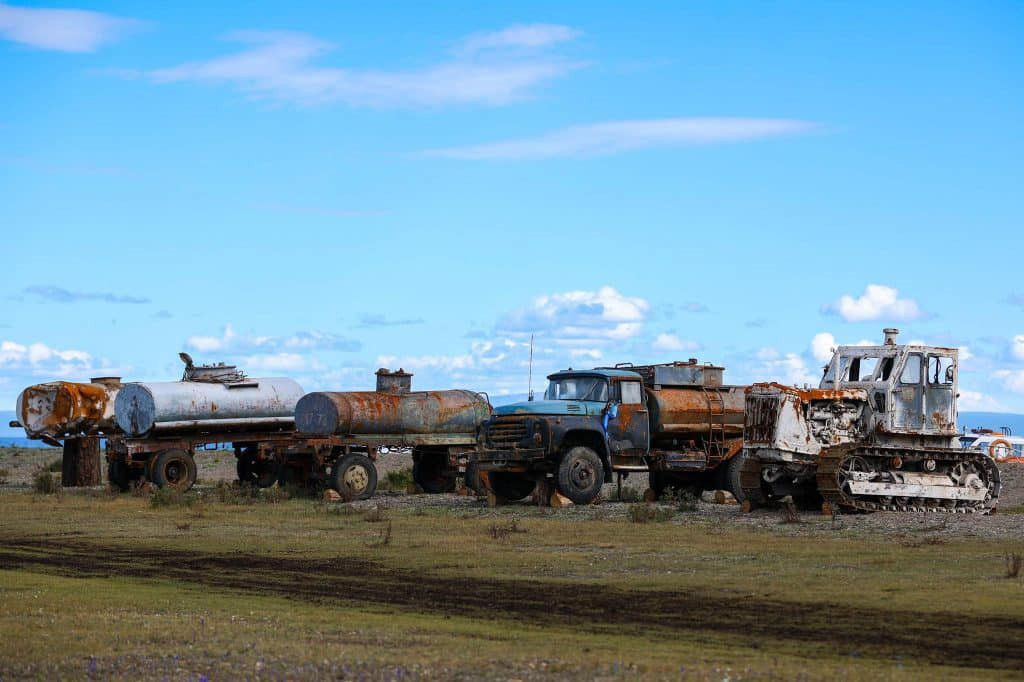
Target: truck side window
{"points": [[940, 370], [631, 392], [912, 370]]}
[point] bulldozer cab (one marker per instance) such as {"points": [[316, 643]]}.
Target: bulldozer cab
{"points": [[911, 389]]}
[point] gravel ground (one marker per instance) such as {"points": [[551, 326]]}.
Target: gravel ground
{"points": [[1007, 523]]}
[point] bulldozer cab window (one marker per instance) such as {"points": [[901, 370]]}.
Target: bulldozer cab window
{"points": [[940, 370], [887, 365], [859, 368], [911, 370]]}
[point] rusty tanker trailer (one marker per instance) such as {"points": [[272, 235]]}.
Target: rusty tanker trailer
{"points": [[440, 427]]}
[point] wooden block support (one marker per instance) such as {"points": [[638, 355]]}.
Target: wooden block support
{"points": [[80, 466]]}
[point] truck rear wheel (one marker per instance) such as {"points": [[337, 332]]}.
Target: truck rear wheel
{"points": [[431, 472], [173, 469], [354, 477], [511, 486], [580, 475]]}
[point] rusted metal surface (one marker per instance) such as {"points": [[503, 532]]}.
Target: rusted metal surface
{"points": [[261, 403], [426, 413], [680, 412], [62, 408]]}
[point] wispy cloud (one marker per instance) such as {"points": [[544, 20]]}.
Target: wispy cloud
{"points": [[67, 30], [60, 295], [579, 318], [229, 341], [603, 139], [486, 68], [378, 320], [876, 303]]}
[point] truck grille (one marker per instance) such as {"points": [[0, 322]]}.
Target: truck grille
{"points": [[762, 414], [506, 432]]}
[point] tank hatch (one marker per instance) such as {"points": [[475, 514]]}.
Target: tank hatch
{"points": [[218, 373], [689, 373]]}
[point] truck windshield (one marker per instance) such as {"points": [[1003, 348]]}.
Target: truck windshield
{"points": [[577, 388]]}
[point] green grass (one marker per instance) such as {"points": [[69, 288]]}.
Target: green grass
{"points": [[300, 588]]}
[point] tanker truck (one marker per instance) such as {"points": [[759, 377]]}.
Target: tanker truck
{"points": [[163, 424], [676, 422], [441, 428]]}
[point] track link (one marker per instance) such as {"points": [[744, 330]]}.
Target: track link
{"points": [[827, 477]]}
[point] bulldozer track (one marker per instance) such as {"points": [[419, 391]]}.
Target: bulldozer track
{"points": [[831, 459]]}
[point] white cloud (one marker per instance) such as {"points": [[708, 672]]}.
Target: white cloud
{"points": [[602, 139], [1017, 346], [1012, 379], [278, 362], [671, 342], [579, 318], [787, 369], [822, 346], [279, 65], [877, 302], [586, 354], [67, 30], [230, 341], [33, 355], [519, 36], [978, 402]]}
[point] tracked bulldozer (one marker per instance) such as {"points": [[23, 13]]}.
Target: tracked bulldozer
{"points": [[878, 434]]}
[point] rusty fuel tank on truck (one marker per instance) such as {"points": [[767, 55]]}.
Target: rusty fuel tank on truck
{"points": [[60, 408], [687, 400], [391, 409], [207, 397]]}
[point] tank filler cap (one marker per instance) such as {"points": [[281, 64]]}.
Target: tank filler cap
{"points": [[890, 335]]}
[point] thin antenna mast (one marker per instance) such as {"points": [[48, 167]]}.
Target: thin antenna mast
{"points": [[529, 381]]}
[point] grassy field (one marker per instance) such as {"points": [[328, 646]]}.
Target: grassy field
{"points": [[112, 586]]}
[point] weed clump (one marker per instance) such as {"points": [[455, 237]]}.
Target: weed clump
{"points": [[646, 513], [629, 495], [384, 538], [499, 531], [172, 497], [397, 481], [55, 466], [245, 494], [1014, 563], [45, 483], [376, 515], [682, 499], [4, 474]]}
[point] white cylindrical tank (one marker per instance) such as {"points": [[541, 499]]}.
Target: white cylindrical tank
{"points": [[141, 408]]}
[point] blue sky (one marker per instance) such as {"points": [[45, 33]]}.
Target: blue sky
{"points": [[320, 191]]}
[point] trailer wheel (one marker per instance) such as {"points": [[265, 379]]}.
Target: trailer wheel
{"points": [[431, 472], [173, 469], [580, 475], [117, 475], [261, 473], [354, 477], [511, 486]]}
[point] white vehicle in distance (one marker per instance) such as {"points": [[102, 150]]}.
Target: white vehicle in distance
{"points": [[1002, 446]]}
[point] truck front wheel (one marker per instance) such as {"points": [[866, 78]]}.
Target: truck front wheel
{"points": [[580, 475]]}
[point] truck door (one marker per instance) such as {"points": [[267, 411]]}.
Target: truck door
{"points": [[908, 396], [939, 389], [628, 427]]}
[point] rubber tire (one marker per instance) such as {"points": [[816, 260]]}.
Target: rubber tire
{"points": [[161, 466], [472, 478], [732, 475], [431, 472], [338, 477], [580, 460], [117, 475], [260, 474], [511, 486]]}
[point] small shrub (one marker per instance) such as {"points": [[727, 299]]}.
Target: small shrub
{"points": [[499, 531], [646, 512], [376, 515], [398, 481], [628, 494], [789, 514], [682, 499], [172, 497], [45, 483], [55, 466], [1014, 562], [140, 488], [4, 474]]}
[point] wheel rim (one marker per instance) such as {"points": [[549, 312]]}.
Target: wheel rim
{"points": [[172, 473], [850, 467], [355, 478], [581, 474]]}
